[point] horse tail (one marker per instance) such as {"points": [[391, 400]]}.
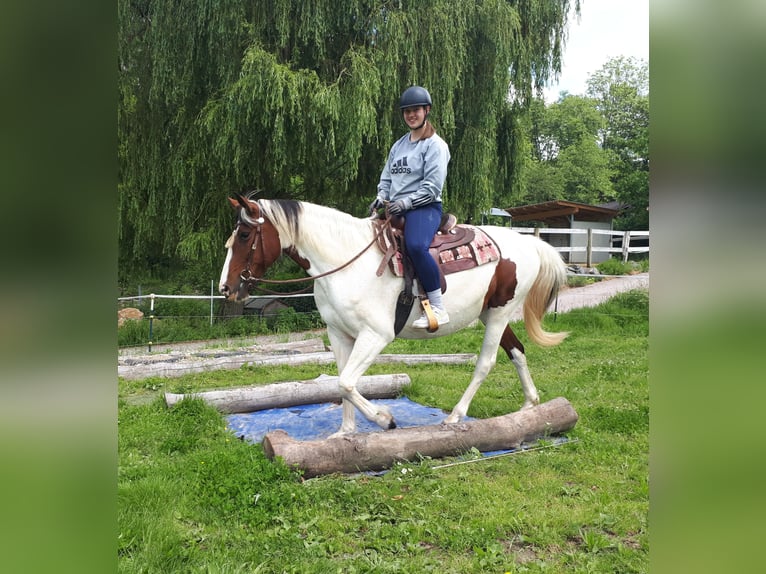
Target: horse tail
{"points": [[551, 276]]}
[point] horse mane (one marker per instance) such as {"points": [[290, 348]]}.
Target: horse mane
{"points": [[306, 225]]}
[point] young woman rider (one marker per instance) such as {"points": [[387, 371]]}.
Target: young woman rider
{"points": [[411, 185]]}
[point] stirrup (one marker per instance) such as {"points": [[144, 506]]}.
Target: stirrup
{"points": [[433, 322]]}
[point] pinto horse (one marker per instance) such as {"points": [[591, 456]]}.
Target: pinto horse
{"points": [[358, 306]]}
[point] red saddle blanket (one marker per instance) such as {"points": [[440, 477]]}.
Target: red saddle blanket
{"points": [[461, 248]]}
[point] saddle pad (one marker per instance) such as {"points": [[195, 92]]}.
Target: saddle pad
{"points": [[480, 250], [477, 252], [396, 265]]}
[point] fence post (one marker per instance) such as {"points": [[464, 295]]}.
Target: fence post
{"points": [[211, 302], [151, 319], [625, 246], [589, 248]]}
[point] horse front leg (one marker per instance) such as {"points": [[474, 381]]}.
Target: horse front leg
{"points": [[342, 345], [367, 346]]}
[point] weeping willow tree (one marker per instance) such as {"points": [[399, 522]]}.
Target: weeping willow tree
{"points": [[299, 99]]}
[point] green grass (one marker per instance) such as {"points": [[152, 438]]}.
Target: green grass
{"points": [[193, 498], [181, 328]]}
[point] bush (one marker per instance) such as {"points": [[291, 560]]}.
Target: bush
{"points": [[614, 267], [289, 320], [133, 333]]}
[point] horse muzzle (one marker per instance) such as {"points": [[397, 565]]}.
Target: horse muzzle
{"points": [[236, 295]]}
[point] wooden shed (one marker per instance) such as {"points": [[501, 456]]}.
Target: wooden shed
{"points": [[560, 214], [264, 307]]}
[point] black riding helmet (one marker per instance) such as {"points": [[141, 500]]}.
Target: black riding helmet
{"points": [[414, 96]]}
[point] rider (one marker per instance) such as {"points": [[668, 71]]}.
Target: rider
{"points": [[411, 183]]}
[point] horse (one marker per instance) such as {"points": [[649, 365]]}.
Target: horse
{"points": [[358, 305]]}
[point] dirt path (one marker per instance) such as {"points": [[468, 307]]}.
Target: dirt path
{"points": [[174, 359], [596, 293]]}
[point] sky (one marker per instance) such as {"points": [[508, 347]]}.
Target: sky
{"points": [[606, 29]]}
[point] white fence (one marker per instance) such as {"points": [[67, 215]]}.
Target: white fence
{"points": [[152, 297], [589, 248]]}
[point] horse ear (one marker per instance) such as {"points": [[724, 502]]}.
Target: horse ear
{"points": [[241, 201]]}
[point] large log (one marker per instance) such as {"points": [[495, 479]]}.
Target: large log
{"points": [[379, 450], [323, 389]]}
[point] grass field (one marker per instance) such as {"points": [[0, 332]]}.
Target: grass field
{"points": [[193, 498]]}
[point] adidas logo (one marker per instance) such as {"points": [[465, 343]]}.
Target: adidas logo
{"points": [[400, 166]]}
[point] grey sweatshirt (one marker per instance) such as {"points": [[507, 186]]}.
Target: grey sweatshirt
{"points": [[415, 170]]}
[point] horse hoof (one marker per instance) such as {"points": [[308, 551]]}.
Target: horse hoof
{"points": [[341, 433], [452, 419], [392, 424]]}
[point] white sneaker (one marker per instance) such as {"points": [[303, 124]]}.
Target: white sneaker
{"points": [[441, 317]]}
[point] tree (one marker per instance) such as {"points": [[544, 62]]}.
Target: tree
{"points": [[621, 92], [298, 99], [567, 162], [595, 148]]}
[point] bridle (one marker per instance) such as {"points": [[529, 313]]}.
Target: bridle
{"points": [[246, 276]]}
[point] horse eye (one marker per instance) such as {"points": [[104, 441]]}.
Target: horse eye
{"points": [[244, 235]]}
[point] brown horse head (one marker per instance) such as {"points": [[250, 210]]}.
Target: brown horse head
{"points": [[253, 247]]}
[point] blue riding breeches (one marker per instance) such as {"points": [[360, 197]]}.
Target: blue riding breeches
{"points": [[422, 225]]}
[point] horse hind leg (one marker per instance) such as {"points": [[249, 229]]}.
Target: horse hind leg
{"points": [[487, 359], [515, 351]]}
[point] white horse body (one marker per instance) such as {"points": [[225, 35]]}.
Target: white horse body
{"points": [[359, 307]]}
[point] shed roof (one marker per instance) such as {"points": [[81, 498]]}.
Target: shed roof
{"points": [[559, 209]]}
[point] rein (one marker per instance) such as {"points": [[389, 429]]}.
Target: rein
{"points": [[255, 280]]}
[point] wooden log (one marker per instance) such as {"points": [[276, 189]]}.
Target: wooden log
{"points": [[323, 389], [379, 450], [418, 359], [177, 367]]}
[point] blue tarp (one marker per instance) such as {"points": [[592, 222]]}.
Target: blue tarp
{"points": [[318, 421]]}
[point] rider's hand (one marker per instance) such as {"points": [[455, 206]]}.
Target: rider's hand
{"points": [[400, 206], [375, 206]]}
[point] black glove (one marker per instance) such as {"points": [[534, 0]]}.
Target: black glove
{"points": [[400, 206], [375, 206]]}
